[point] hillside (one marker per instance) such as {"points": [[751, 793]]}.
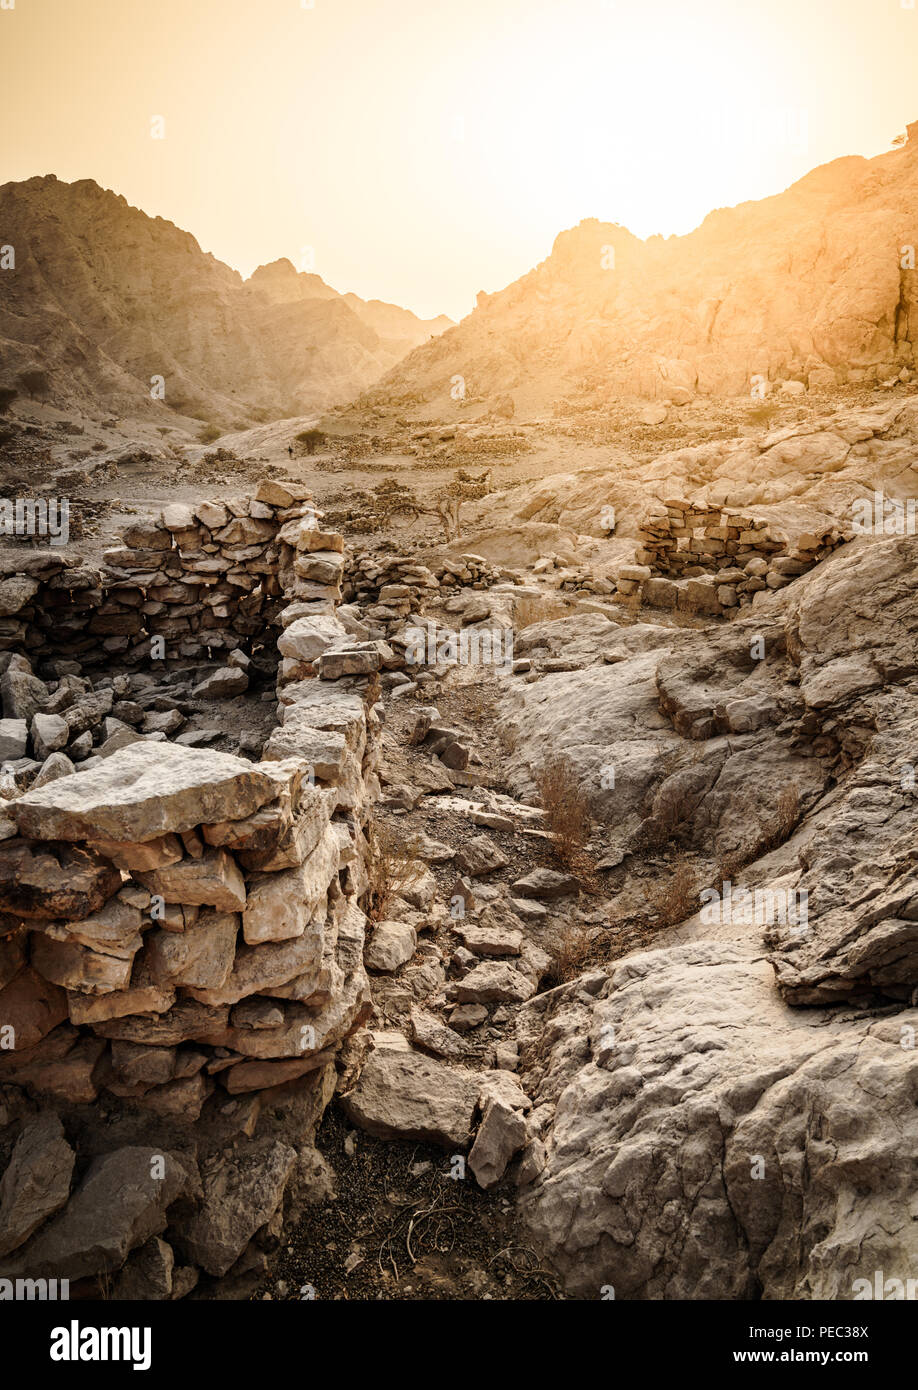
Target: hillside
{"points": [[806, 285], [106, 298]]}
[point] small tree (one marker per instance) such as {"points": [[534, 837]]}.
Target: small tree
{"points": [[7, 395], [36, 381], [310, 439]]}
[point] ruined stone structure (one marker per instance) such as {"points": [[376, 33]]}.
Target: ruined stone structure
{"points": [[713, 560], [176, 919]]}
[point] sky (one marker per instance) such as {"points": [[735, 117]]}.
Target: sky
{"points": [[419, 151]]}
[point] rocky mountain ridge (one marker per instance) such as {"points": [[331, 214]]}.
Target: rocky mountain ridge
{"points": [[106, 299], [815, 284]]}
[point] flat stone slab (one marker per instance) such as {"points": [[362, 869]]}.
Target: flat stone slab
{"points": [[145, 791], [404, 1095]]}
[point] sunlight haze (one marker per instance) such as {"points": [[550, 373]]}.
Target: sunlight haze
{"points": [[425, 152]]}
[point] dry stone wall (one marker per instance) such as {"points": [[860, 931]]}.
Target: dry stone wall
{"points": [[714, 561], [176, 921], [204, 580]]}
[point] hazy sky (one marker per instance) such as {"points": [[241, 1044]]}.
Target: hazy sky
{"points": [[426, 149]]}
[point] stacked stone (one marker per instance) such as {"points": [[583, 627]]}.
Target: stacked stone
{"points": [[209, 577], [390, 587], [712, 560], [206, 579], [174, 921]]}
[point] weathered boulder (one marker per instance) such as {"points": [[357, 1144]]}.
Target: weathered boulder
{"points": [[121, 1202], [708, 1141], [36, 1183], [391, 945], [242, 1191], [501, 1134], [401, 1094]]}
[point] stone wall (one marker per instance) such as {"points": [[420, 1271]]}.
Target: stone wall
{"points": [[205, 579], [176, 921], [714, 560]]}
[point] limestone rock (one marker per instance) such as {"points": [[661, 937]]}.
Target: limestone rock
{"points": [[201, 957], [706, 1141], [501, 1134], [493, 982], [242, 1191], [404, 1095], [390, 946], [47, 882], [121, 1202], [145, 791], [214, 879]]}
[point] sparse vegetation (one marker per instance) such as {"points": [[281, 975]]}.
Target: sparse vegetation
{"points": [[567, 811], [392, 865], [35, 381], [676, 897], [208, 434], [571, 955], [7, 395]]}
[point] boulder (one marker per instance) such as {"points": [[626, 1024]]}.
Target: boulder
{"points": [[14, 739], [401, 1094], [121, 1202], [36, 1183], [501, 1135], [493, 982], [390, 946], [479, 855], [242, 1192]]}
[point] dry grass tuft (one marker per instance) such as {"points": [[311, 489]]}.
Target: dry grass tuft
{"points": [[572, 954], [392, 865], [677, 897], [567, 811]]}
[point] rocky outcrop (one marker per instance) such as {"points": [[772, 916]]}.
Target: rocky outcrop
{"points": [[703, 1140]]}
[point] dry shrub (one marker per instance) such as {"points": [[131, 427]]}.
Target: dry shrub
{"points": [[788, 813], [567, 811], [529, 610], [392, 865], [572, 954], [676, 897], [763, 414]]}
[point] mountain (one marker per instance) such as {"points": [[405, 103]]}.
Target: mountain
{"points": [[812, 280], [106, 298]]}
